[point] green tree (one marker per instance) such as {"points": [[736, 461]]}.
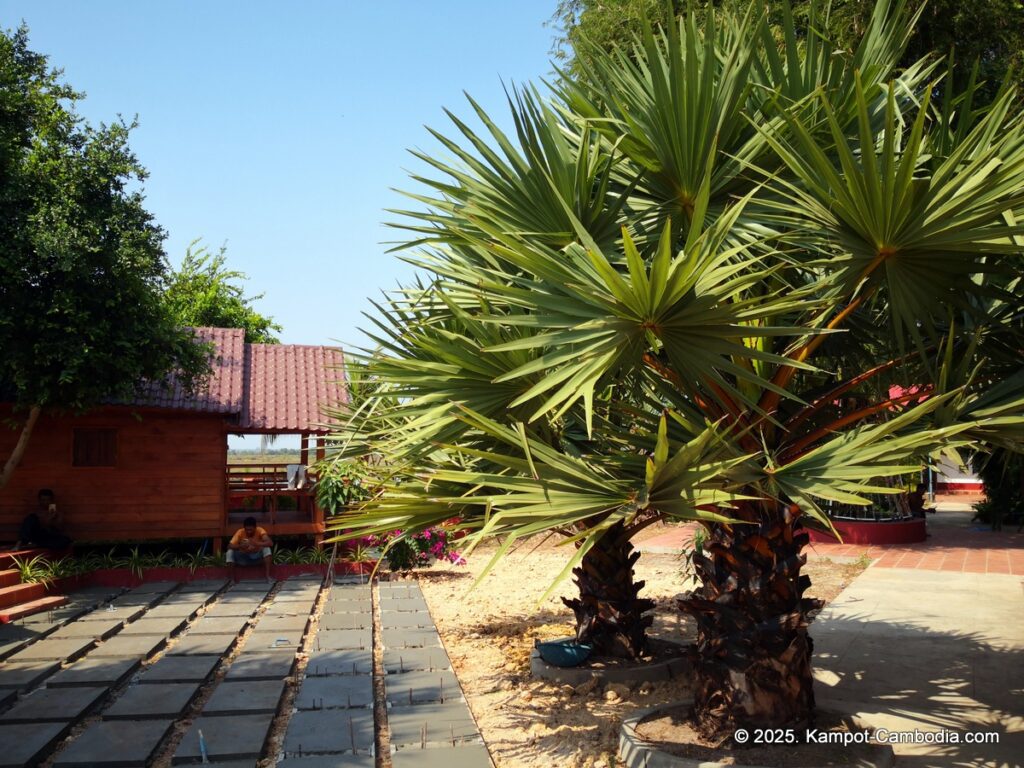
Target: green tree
{"points": [[987, 32], [683, 290], [82, 314], [203, 291]]}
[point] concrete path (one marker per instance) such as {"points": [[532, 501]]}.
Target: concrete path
{"points": [[175, 673], [911, 649]]}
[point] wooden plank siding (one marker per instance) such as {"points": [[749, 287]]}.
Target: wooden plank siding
{"points": [[167, 482]]}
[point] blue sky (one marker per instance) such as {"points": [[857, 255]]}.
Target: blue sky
{"points": [[280, 128]]}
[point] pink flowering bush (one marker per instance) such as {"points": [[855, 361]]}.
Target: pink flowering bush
{"points": [[419, 550]]}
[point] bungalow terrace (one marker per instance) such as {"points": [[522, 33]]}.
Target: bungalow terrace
{"points": [[157, 467]]}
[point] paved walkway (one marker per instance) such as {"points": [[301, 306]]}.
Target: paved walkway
{"points": [[181, 674], [910, 650], [954, 544]]}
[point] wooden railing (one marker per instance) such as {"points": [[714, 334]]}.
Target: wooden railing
{"points": [[266, 492]]}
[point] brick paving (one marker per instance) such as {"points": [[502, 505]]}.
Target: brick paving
{"points": [[953, 544]]}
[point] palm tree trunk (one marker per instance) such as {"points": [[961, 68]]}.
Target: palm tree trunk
{"points": [[609, 614], [752, 657]]}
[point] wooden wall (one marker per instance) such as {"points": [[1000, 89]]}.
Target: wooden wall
{"points": [[168, 481]]}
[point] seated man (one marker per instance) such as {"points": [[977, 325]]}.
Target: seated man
{"points": [[916, 500], [248, 546], [42, 528]]}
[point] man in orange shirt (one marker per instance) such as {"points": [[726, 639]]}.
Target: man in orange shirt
{"points": [[248, 546]]}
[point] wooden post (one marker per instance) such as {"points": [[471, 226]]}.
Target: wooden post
{"points": [[304, 451], [318, 513]]}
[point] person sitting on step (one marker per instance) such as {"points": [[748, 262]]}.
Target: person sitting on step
{"points": [[249, 546], [42, 527]]}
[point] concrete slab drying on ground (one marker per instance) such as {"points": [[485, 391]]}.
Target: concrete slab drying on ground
{"points": [[22, 675], [415, 659], [245, 697], [265, 665], [142, 702], [407, 688], [203, 645], [24, 744], [94, 671], [51, 705], [115, 744], [341, 692], [329, 730], [180, 669], [227, 738], [339, 662], [129, 646], [461, 755]]}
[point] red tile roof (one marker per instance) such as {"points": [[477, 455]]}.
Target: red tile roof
{"points": [[224, 389], [266, 387], [287, 385]]}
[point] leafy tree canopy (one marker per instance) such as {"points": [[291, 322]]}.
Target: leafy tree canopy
{"points": [[203, 291], [989, 32], [82, 268]]}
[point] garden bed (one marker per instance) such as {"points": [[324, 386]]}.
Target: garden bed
{"points": [[874, 531]]}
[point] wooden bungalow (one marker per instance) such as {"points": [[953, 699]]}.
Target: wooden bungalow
{"points": [[157, 467]]}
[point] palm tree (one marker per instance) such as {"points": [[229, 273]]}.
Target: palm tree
{"points": [[684, 290]]}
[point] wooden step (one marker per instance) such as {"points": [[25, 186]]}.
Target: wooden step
{"points": [[21, 593], [22, 610], [7, 558], [9, 578]]}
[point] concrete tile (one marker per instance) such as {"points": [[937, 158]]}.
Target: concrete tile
{"points": [[271, 665], [113, 613], [350, 662], [132, 603], [227, 738], [219, 625], [283, 623], [220, 610], [401, 590], [431, 724], [347, 606], [409, 688], [20, 675], [95, 630], [462, 755], [54, 704], [405, 619], [154, 587], [411, 659], [329, 730], [410, 638], [214, 645], [141, 702], [65, 649], [346, 621], [25, 743], [300, 585], [308, 597], [180, 612], [209, 586], [248, 696], [151, 626], [401, 604], [246, 597], [347, 760], [137, 646], [264, 641], [251, 585], [179, 669], [94, 671], [343, 692], [115, 744], [342, 639]]}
